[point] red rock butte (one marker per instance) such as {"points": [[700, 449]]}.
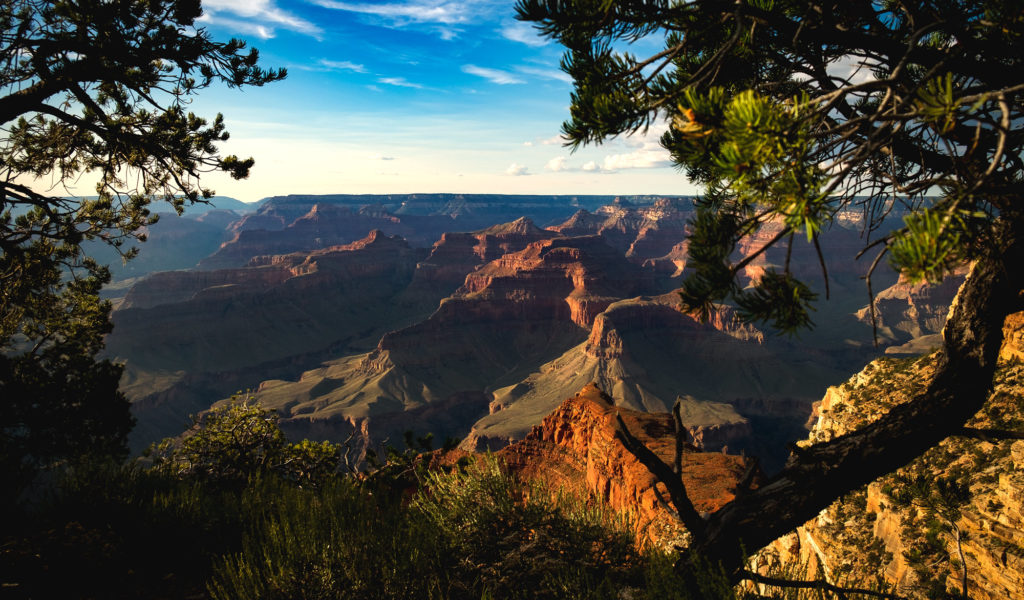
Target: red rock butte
{"points": [[576, 448]]}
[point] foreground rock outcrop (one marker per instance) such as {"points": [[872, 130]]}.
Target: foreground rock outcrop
{"points": [[576, 448], [908, 528]]}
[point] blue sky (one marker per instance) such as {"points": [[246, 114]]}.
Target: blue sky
{"points": [[412, 96]]}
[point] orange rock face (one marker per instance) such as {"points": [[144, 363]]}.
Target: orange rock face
{"points": [[582, 275], [456, 254], [576, 448], [640, 233]]}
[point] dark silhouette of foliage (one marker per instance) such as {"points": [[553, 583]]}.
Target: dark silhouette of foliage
{"points": [[91, 90]]}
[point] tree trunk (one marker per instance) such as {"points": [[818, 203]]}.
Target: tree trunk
{"points": [[817, 476]]}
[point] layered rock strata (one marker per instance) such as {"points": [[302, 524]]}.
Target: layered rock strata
{"points": [[903, 529], [576, 447], [182, 332], [455, 255], [640, 233]]}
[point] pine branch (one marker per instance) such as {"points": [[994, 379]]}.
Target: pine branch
{"points": [[818, 584], [663, 473]]}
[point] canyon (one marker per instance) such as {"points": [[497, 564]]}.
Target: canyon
{"points": [[527, 336], [476, 334]]}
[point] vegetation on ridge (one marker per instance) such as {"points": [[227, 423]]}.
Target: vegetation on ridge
{"points": [[230, 520]]}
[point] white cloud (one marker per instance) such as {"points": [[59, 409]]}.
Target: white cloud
{"points": [[380, 157], [591, 166], [517, 169], [399, 82], [342, 65], [852, 70], [551, 141], [554, 74], [493, 75], [527, 144], [649, 156], [524, 33], [557, 164], [258, 17], [238, 26], [421, 11]]}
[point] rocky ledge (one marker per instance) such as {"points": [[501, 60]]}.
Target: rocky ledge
{"points": [[576, 448]]}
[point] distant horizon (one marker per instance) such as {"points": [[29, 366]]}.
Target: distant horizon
{"points": [[558, 194]]}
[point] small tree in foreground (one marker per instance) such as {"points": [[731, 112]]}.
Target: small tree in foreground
{"points": [[239, 440], [789, 111], [90, 90]]}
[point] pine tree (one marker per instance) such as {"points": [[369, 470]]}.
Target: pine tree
{"points": [[92, 89], [788, 112]]}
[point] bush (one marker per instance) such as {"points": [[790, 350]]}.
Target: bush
{"points": [[517, 540], [239, 440]]}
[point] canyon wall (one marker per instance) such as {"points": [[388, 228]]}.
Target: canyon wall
{"points": [[903, 529]]}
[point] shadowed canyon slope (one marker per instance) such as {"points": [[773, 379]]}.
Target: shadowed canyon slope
{"points": [[190, 337], [510, 315]]}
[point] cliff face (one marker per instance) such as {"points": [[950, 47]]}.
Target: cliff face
{"points": [[645, 353], [640, 233], [905, 311], [903, 529], [576, 447], [562, 277], [178, 326], [510, 315], [456, 254], [275, 230]]}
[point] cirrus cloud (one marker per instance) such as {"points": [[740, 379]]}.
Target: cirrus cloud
{"points": [[524, 33], [493, 75], [399, 82], [256, 17]]}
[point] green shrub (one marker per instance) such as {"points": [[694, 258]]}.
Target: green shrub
{"points": [[238, 440], [515, 540], [118, 531]]}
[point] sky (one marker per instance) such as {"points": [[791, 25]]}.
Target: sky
{"points": [[404, 96]]}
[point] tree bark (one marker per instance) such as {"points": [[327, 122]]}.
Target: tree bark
{"points": [[817, 476]]}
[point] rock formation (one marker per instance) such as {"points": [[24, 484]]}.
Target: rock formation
{"points": [[299, 223], [511, 315], [640, 233], [178, 326], [900, 530], [576, 448], [905, 311], [324, 226], [455, 255]]}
